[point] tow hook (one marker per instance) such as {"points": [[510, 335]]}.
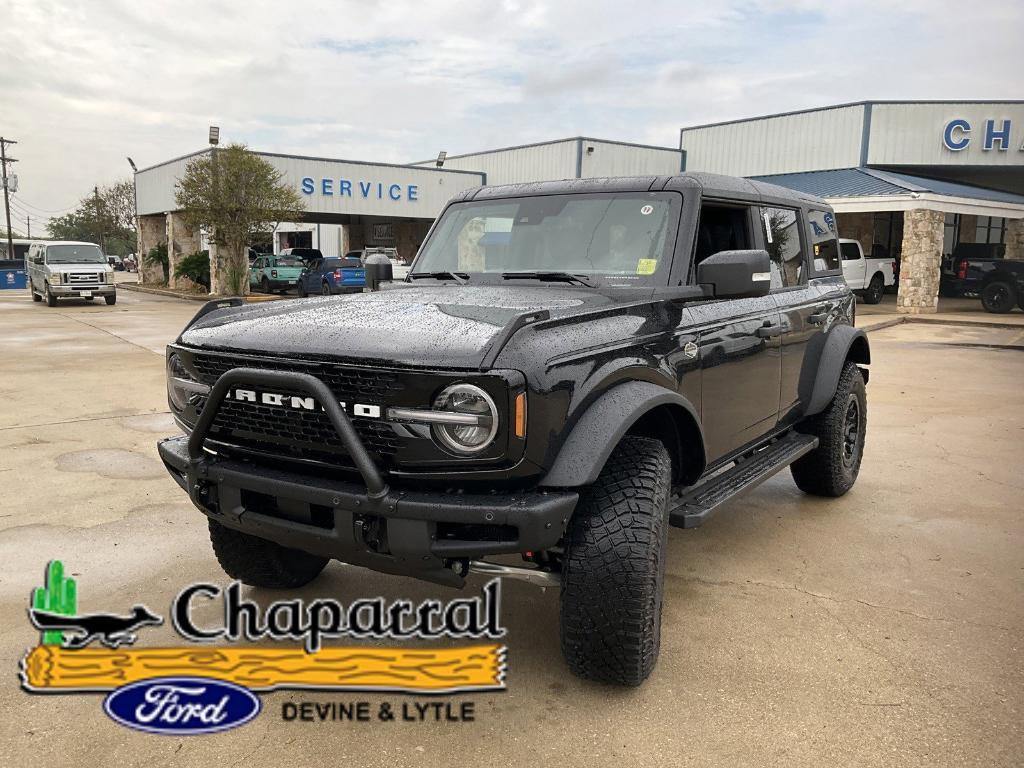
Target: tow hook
{"points": [[458, 566]]}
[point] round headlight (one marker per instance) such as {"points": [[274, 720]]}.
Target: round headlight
{"points": [[481, 423], [180, 384]]}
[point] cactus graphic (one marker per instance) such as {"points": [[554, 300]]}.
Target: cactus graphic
{"points": [[58, 596]]}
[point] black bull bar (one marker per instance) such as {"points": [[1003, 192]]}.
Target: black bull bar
{"points": [[357, 517]]}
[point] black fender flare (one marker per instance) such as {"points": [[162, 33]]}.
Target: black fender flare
{"points": [[844, 343], [587, 448]]}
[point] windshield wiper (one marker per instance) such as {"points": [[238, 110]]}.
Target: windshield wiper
{"points": [[458, 277], [568, 277]]}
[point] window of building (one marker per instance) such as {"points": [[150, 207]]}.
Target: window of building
{"points": [[824, 240], [991, 229], [782, 241]]}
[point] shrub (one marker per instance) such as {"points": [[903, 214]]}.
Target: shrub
{"points": [[158, 255], [196, 267]]}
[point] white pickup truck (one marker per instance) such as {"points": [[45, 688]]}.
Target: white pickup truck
{"points": [[866, 277]]}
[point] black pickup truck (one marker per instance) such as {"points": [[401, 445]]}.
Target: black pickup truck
{"points": [[569, 368], [999, 282]]}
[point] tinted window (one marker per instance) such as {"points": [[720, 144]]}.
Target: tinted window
{"points": [[782, 241], [288, 261], [850, 251], [721, 228], [824, 245], [330, 264]]}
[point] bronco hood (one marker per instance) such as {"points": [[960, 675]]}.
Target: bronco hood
{"points": [[430, 326]]}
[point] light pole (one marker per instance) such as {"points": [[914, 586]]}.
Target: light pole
{"points": [[135, 213], [215, 260]]}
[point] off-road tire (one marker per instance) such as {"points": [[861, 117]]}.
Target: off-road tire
{"points": [[613, 571], [51, 300], [998, 297], [875, 290], [261, 563], [831, 469], [111, 300]]}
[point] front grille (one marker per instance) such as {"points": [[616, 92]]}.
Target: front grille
{"points": [[301, 434], [83, 279]]}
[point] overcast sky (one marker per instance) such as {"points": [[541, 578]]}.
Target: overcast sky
{"points": [[85, 84]]}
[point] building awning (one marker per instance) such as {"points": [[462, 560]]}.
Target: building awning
{"points": [[870, 189]]}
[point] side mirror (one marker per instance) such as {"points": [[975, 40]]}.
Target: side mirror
{"points": [[736, 274]]}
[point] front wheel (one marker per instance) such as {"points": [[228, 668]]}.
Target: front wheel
{"points": [[261, 563], [111, 300], [831, 469], [302, 290], [874, 291], [51, 300], [325, 289], [998, 297], [613, 572]]}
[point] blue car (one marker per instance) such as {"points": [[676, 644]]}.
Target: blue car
{"points": [[330, 275]]}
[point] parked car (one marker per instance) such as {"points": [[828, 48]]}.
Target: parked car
{"points": [[867, 277], [963, 272], [332, 275], [571, 368], [998, 282], [67, 269], [116, 262], [306, 254], [275, 273]]}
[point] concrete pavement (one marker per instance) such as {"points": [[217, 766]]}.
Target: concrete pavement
{"points": [[880, 629]]}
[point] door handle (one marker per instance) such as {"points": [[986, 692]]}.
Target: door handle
{"points": [[818, 319], [768, 330]]}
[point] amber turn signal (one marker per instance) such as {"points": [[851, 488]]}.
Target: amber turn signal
{"points": [[520, 419]]}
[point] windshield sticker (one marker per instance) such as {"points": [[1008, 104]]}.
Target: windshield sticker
{"points": [[647, 210], [646, 266]]}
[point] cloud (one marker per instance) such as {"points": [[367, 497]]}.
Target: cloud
{"points": [[90, 83]]}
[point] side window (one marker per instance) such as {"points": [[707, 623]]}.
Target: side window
{"points": [[721, 228], [849, 251], [824, 245], [782, 240]]}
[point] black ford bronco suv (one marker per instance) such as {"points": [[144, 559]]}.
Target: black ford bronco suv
{"points": [[569, 368]]}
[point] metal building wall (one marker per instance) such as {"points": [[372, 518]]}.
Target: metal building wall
{"points": [[433, 187], [534, 162], [802, 141], [911, 134], [611, 158]]}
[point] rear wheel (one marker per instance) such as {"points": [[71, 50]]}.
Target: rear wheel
{"points": [[35, 296], [998, 297], [265, 285], [261, 563], [831, 469], [873, 293], [614, 568]]}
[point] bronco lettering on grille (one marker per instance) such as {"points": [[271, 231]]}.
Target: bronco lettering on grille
{"points": [[298, 403]]}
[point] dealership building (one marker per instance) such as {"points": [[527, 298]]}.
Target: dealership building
{"points": [[909, 180]]}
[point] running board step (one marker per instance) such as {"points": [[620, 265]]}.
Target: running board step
{"points": [[694, 505]]}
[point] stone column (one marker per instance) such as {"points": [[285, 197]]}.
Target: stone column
{"points": [[1015, 239], [181, 241], [921, 262], [345, 239], [150, 232]]}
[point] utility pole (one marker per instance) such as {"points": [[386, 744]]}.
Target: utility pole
{"points": [[99, 219], [4, 160]]}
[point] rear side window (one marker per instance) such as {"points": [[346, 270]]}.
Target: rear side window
{"points": [[824, 245], [782, 241]]}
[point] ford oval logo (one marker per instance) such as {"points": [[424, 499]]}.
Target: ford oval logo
{"points": [[182, 706]]}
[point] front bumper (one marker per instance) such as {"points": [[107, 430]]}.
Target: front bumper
{"points": [[105, 289], [405, 532]]}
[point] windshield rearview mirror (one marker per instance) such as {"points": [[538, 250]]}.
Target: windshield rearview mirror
{"points": [[736, 274]]}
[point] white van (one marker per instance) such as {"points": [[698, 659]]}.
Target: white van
{"points": [[67, 269]]}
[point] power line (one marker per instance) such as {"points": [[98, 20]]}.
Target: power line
{"points": [[37, 209]]}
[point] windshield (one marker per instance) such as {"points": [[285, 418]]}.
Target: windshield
{"points": [[618, 238], [74, 254], [288, 261]]}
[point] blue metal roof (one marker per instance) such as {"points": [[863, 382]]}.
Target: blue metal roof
{"points": [[864, 182]]}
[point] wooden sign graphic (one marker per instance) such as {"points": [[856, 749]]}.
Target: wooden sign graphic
{"points": [[50, 668]]}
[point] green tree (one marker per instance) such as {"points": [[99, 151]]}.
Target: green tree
{"points": [[107, 219], [231, 193]]}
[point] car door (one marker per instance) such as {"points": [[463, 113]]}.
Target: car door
{"points": [[801, 243], [311, 276], [254, 272], [854, 265], [738, 343]]}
